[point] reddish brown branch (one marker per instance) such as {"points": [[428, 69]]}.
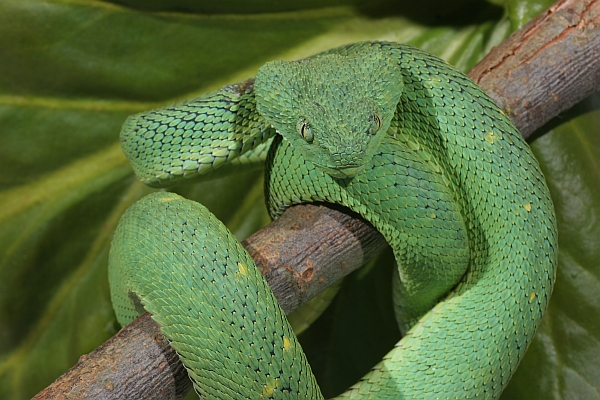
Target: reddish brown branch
{"points": [[541, 70], [308, 249], [136, 363], [547, 66]]}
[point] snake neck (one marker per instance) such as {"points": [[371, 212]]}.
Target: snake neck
{"points": [[404, 198]]}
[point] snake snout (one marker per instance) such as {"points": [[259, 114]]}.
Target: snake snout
{"points": [[348, 153], [345, 165]]}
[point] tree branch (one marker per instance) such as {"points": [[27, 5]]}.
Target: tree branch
{"points": [[546, 67], [542, 69]]}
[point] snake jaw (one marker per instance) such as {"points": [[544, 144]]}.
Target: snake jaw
{"points": [[348, 171]]}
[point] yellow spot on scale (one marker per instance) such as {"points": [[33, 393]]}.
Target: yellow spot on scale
{"points": [[432, 215], [531, 296], [286, 343], [242, 269], [270, 387], [490, 138], [170, 198], [413, 145], [528, 207]]}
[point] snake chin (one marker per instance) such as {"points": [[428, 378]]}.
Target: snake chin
{"points": [[348, 171]]}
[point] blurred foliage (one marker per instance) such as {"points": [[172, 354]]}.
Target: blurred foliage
{"points": [[70, 73]]}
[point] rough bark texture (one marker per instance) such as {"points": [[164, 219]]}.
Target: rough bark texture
{"points": [[308, 249], [547, 66], [136, 363], [544, 68]]}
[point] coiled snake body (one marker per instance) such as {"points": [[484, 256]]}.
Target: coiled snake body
{"points": [[391, 132]]}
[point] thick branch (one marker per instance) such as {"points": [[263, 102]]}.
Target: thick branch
{"points": [[136, 363], [547, 66], [544, 68], [309, 248]]}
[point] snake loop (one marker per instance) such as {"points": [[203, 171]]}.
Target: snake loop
{"points": [[390, 132]]}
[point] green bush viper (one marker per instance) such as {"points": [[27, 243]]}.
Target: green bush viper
{"points": [[390, 132]]}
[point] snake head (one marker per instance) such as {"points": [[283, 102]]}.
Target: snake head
{"points": [[334, 109]]}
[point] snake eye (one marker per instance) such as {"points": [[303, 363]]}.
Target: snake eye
{"points": [[304, 129], [376, 123]]}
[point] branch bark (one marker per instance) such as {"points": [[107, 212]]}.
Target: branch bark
{"points": [[546, 67], [542, 69]]}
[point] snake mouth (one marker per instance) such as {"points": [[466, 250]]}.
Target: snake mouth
{"points": [[347, 171]]}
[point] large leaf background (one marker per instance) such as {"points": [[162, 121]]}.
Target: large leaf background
{"points": [[72, 70]]}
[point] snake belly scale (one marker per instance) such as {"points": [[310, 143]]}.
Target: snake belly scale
{"points": [[391, 132]]}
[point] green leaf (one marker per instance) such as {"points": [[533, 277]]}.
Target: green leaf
{"points": [[521, 11], [73, 70]]}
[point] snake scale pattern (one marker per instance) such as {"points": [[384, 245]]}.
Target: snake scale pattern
{"points": [[398, 136]]}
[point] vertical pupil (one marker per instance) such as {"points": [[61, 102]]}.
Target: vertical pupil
{"points": [[376, 120]]}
